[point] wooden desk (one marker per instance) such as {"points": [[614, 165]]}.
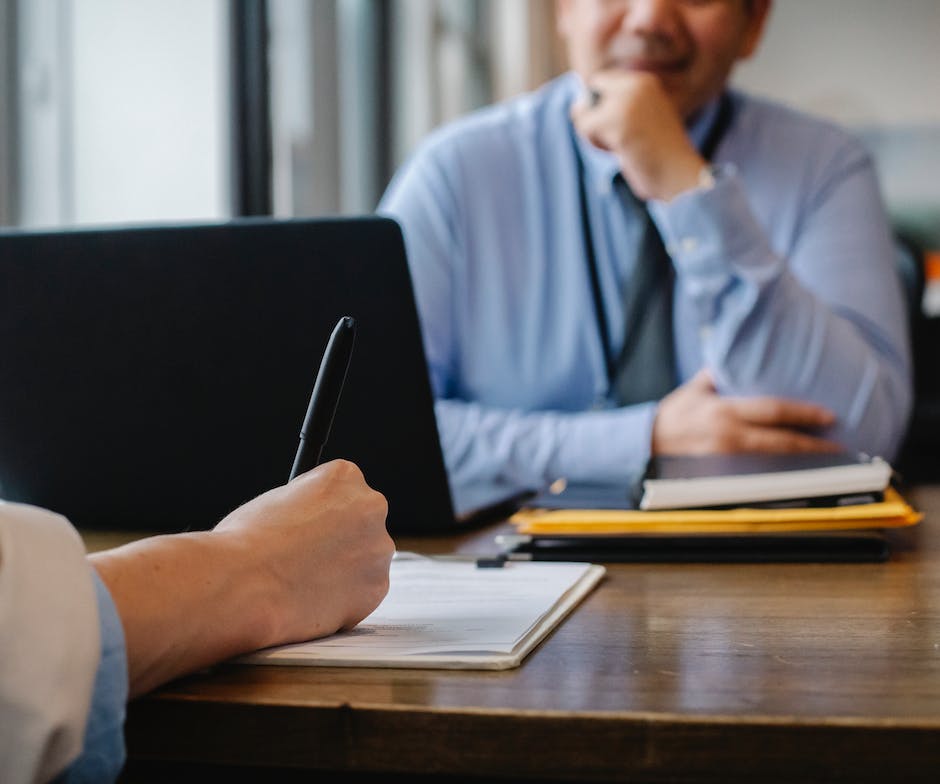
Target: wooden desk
{"points": [[698, 673]]}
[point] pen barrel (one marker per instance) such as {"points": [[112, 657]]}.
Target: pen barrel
{"points": [[305, 459], [325, 398]]}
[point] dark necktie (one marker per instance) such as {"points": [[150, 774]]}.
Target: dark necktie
{"points": [[646, 367]]}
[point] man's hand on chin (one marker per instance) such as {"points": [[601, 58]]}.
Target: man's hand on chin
{"points": [[633, 117]]}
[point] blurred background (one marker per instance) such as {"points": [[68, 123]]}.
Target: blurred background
{"points": [[167, 110], [172, 109]]}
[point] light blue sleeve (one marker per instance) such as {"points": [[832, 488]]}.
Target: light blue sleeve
{"points": [[103, 752], [532, 448], [480, 442], [827, 324]]}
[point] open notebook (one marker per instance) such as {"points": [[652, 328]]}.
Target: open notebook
{"points": [[452, 615]]}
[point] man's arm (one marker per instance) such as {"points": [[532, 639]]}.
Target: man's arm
{"points": [[826, 325], [483, 442], [530, 449], [298, 562]]}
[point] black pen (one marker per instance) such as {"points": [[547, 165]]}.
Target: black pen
{"points": [[325, 398]]}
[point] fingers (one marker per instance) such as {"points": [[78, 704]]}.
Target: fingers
{"points": [[602, 113], [369, 595], [334, 470], [592, 122], [701, 382], [780, 412], [779, 440], [695, 420]]}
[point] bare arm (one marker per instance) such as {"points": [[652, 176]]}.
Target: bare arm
{"points": [[298, 562]]}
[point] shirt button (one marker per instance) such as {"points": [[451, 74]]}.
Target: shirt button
{"points": [[689, 244]]}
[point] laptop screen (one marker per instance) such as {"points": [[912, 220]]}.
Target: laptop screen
{"points": [[156, 378]]}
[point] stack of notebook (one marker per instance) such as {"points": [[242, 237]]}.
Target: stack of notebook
{"points": [[726, 508]]}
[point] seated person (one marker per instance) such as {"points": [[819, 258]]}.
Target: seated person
{"points": [[78, 635], [636, 259]]}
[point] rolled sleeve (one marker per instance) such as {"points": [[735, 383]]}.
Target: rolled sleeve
{"points": [[103, 752], [49, 643]]}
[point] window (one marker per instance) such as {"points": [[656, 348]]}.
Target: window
{"points": [[115, 111], [120, 111]]}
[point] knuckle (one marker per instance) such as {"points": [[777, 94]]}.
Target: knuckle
{"points": [[383, 585], [724, 437], [388, 550], [724, 442], [347, 469], [380, 502], [372, 598]]}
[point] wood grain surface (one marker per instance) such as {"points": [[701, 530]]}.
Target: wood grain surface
{"points": [[709, 673]]}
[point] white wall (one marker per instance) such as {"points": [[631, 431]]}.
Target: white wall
{"points": [[873, 65], [861, 62], [149, 109], [124, 111]]}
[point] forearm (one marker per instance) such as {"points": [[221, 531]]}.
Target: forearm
{"points": [[531, 449], [833, 336], [185, 602], [828, 359]]}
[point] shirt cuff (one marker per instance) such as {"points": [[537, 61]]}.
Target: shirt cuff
{"points": [[49, 645], [712, 232], [607, 447], [103, 752]]}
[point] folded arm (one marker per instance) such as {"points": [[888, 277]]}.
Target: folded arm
{"points": [[826, 326]]}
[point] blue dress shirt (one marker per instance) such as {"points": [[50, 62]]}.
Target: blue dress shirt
{"points": [[785, 285], [103, 753]]}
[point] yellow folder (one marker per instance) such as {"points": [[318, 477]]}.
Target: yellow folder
{"points": [[892, 512]]}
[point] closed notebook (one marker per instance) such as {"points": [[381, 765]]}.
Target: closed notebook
{"points": [[734, 480], [892, 512], [749, 508]]}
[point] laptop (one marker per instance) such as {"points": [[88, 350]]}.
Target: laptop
{"points": [[154, 378]]}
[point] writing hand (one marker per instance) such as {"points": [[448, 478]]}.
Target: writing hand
{"points": [[297, 562], [321, 539]]}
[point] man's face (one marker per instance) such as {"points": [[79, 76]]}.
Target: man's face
{"points": [[691, 45]]}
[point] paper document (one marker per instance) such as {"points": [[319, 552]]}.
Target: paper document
{"points": [[892, 512], [452, 614]]}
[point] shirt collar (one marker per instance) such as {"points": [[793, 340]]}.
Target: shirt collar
{"points": [[600, 166]]}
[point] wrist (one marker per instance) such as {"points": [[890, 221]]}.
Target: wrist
{"points": [[255, 593], [687, 175], [707, 177]]}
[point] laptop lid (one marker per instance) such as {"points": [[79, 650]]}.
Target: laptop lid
{"points": [[156, 378]]}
